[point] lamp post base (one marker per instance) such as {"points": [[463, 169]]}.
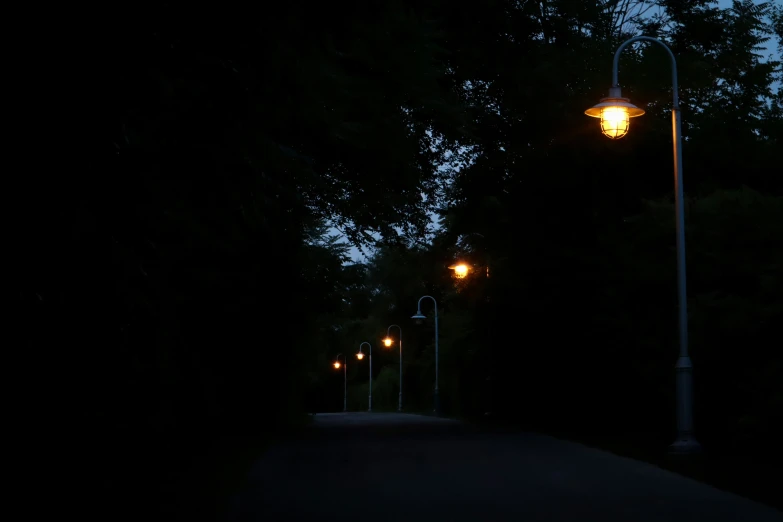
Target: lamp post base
{"points": [[686, 445]]}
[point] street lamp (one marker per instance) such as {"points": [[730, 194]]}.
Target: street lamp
{"points": [[387, 343], [615, 112], [345, 378], [360, 356], [465, 245], [460, 270], [419, 318]]}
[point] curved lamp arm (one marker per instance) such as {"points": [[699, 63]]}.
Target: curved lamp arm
{"points": [[616, 62], [418, 306]]}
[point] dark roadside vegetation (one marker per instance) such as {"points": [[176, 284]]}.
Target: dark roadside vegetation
{"points": [[188, 289]]}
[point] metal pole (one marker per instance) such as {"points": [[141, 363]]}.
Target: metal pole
{"points": [[490, 349], [437, 392], [437, 395], [399, 395], [345, 380], [388, 334], [369, 405], [685, 442], [345, 384]]}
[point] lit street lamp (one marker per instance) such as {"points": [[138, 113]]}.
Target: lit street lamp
{"points": [[460, 270], [419, 318], [387, 343], [615, 113], [345, 378], [360, 356]]}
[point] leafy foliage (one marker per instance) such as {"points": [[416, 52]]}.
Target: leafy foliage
{"points": [[201, 279]]}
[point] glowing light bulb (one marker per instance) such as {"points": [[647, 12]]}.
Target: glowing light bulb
{"points": [[461, 270], [615, 113], [387, 342], [615, 122]]}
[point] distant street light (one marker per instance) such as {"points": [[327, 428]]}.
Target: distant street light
{"points": [[460, 270], [615, 113], [387, 343], [462, 244], [360, 356], [419, 318], [345, 378]]}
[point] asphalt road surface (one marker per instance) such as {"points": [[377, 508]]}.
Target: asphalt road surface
{"points": [[378, 467]]}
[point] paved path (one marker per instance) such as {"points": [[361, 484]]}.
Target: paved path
{"points": [[378, 467]]}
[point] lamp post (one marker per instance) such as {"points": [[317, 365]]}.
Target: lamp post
{"points": [[388, 342], [419, 318], [461, 271], [615, 113], [345, 378], [360, 356]]}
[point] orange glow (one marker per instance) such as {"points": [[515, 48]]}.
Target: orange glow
{"points": [[387, 342], [460, 270], [615, 122], [360, 356], [337, 365], [615, 114]]}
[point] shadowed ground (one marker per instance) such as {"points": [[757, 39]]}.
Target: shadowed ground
{"points": [[395, 467]]}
